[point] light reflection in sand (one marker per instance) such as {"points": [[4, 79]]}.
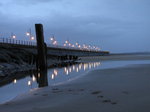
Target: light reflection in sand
{"points": [[66, 70], [55, 76], [77, 68], [70, 69], [55, 72], [15, 81], [29, 83], [39, 75], [33, 78], [52, 76], [73, 67]]}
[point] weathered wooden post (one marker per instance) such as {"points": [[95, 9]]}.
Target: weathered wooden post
{"points": [[43, 80], [41, 48]]}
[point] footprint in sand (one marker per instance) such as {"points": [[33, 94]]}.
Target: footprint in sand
{"points": [[55, 89], [96, 92], [106, 101], [44, 94], [81, 89], [70, 90], [100, 96], [58, 91], [113, 103], [35, 94], [109, 101]]}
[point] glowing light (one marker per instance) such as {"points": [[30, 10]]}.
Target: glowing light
{"points": [[73, 67], [77, 69], [33, 78], [27, 33], [15, 81], [80, 66], [67, 72], [13, 36], [65, 69], [85, 66], [56, 72], [52, 38], [55, 42], [29, 83], [70, 70], [66, 42], [53, 76], [32, 38], [38, 75]]}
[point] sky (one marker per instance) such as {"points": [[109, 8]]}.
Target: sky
{"points": [[112, 25]]}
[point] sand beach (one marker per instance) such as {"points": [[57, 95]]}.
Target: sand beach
{"points": [[120, 89]]}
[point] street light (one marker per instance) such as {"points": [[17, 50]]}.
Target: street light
{"points": [[13, 36], [66, 41], [64, 44], [53, 40], [77, 44], [32, 38], [29, 34]]}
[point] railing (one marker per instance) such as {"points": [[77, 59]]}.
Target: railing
{"points": [[29, 43], [17, 42], [67, 47]]}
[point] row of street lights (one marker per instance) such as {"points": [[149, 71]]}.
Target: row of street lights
{"points": [[76, 45], [28, 34], [66, 43]]}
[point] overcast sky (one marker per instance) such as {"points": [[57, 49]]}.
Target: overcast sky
{"points": [[114, 25]]}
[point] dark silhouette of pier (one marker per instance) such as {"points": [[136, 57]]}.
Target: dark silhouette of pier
{"points": [[51, 49], [42, 50]]}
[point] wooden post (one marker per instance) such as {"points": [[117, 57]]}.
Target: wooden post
{"points": [[41, 49], [43, 80]]}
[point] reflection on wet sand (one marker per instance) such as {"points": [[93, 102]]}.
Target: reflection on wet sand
{"points": [[41, 78], [15, 81], [32, 79], [76, 68]]}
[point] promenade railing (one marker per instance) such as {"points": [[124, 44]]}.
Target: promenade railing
{"points": [[30, 43], [17, 42]]}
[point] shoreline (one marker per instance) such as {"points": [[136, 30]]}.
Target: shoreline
{"points": [[7, 69], [117, 57], [92, 92]]}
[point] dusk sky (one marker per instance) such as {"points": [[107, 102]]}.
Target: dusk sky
{"points": [[114, 25]]}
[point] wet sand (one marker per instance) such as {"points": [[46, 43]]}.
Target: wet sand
{"points": [[119, 57], [124, 89]]}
